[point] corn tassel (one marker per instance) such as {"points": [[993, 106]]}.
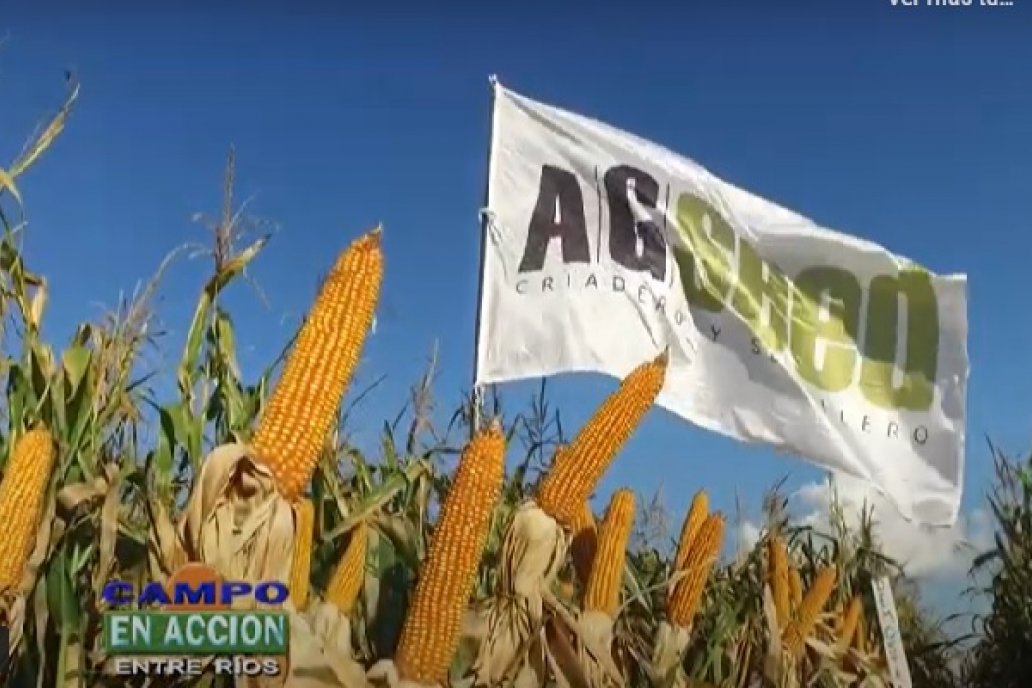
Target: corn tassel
{"points": [[579, 466], [813, 603], [348, 575], [303, 407], [604, 583], [22, 498], [697, 513], [433, 623], [795, 586], [684, 603], [850, 621], [301, 565], [780, 586], [584, 544]]}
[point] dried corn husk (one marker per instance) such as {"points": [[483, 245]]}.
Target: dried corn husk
{"points": [[236, 521], [671, 644], [320, 653], [595, 632], [331, 646], [533, 551], [778, 666]]}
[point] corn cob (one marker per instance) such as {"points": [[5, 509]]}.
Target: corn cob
{"points": [[779, 579], [348, 575], [684, 603], [433, 623], [697, 513], [303, 407], [577, 467], [603, 591], [301, 565], [850, 620], [795, 587], [22, 497], [583, 544], [802, 626]]}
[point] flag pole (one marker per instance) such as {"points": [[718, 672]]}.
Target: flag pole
{"points": [[485, 223]]}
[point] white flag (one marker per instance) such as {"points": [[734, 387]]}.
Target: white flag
{"points": [[602, 249]]}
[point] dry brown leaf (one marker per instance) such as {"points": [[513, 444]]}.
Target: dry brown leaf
{"points": [[110, 483], [563, 657], [164, 550]]}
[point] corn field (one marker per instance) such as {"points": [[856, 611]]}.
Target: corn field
{"points": [[465, 555]]}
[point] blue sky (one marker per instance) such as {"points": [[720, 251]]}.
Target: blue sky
{"points": [[907, 126]]}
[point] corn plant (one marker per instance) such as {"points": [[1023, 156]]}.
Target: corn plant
{"points": [[421, 561], [1002, 655]]}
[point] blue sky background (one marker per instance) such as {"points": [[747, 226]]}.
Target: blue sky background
{"points": [[907, 126]]}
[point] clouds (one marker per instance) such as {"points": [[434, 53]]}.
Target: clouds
{"points": [[923, 551]]}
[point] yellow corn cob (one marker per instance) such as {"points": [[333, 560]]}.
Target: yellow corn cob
{"points": [[22, 496], [802, 626], [348, 575], [687, 595], [584, 543], [301, 565], [795, 587], [433, 623], [850, 620], [780, 586], [577, 467], [697, 513], [303, 406], [603, 591]]}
